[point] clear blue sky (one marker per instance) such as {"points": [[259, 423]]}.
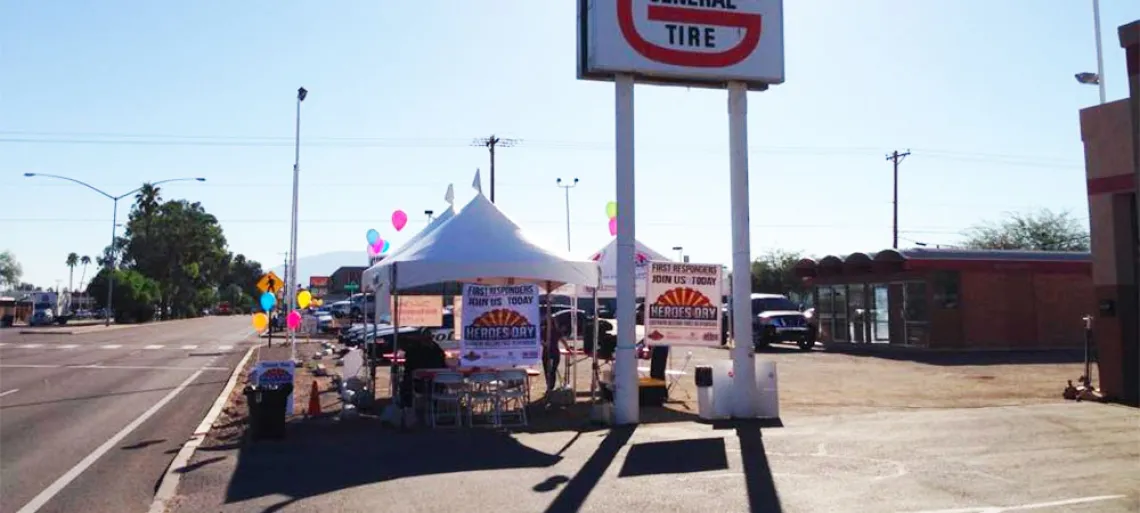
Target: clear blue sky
{"points": [[981, 91]]}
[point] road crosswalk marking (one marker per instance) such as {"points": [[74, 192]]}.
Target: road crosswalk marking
{"points": [[153, 346], [68, 346], [190, 346], [110, 346], [30, 346]]}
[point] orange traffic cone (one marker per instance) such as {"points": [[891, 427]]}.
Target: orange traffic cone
{"points": [[314, 401]]}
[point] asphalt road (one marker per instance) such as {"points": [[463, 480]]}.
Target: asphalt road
{"points": [[65, 398]]}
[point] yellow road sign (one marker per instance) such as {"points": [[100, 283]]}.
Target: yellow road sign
{"points": [[270, 282]]}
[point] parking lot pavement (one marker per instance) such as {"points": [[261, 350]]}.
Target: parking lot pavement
{"points": [[1065, 457]]}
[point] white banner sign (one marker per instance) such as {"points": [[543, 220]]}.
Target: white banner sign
{"points": [[500, 326], [682, 304], [274, 374]]}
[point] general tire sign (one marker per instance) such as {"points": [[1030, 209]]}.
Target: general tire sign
{"points": [[687, 42]]}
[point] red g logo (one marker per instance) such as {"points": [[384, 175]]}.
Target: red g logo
{"points": [[691, 27]]}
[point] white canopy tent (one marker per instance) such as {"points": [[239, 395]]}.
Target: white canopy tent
{"points": [[478, 244], [607, 263]]}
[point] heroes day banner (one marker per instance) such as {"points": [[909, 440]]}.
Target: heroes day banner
{"points": [[501, 326]]}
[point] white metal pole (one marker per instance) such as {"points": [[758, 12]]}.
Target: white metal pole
{"points": [[1099, 50], [743, 353], [290, 286], [625, 357]]}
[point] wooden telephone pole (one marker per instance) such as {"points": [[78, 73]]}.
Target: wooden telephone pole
{"points": [[896, 157], [491, 143]]}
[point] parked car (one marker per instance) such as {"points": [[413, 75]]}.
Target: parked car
{"points": [[778, 319], [42, 317], [341, 309]]}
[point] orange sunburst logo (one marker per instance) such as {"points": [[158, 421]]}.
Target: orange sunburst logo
{"points": [[683, 296], [500, 317]]}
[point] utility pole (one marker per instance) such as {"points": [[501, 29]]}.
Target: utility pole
{"points": [[896, 157], [491, 143], [566, 187]]}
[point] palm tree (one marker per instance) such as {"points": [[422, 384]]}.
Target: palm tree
{"points": [[72, 261], [86, 261]]}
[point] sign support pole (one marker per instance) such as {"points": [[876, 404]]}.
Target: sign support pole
{"points": [[625, 357], [743, 353]]}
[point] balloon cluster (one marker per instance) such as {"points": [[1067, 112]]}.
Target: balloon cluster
{"points": [[268, 300], [611, 212], [379, 246]]}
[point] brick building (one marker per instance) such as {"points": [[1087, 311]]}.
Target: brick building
{"points": [[1112, 165], [952, 299]]}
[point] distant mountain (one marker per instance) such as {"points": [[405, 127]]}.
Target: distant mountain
{"points": [[324, 264]]}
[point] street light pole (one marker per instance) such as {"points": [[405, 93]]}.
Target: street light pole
{"points": [[291, 275], [567, 188], [429, 213], [680, 253], [1099, 50], [114, 224]]}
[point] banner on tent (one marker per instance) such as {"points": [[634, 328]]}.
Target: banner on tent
{"points": [[500, 326], [421, 311], [683, 304]]}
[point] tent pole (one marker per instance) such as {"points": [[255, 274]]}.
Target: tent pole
{"points": [[550, 333], [395, 295], [594, 355]]}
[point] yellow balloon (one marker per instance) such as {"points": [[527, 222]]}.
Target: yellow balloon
{"points": [[260, 322], [304, 298]]}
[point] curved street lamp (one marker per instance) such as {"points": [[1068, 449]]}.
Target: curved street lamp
{"points": [[114, 222]]}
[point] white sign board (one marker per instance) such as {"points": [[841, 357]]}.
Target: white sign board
{"points": [[683, 304], [691, 42], [420, 311], [274, 374], [500, 326]]}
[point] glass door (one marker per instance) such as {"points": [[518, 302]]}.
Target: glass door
{"points": [[857, 312], [882, 313]]}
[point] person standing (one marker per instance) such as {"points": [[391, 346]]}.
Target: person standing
{"points": [[551, 356]]}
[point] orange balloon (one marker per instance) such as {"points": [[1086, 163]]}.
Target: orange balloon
{"points": [[260, 322]]}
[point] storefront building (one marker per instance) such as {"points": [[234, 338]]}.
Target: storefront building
{"points": [[1111, 143], [952, 299]]}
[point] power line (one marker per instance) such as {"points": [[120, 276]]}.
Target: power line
{"points": [[93, 138]]}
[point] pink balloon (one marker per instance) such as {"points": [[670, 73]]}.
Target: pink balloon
{"points": [[613, 226], [293, 320], [378, 247], [399, 220]]}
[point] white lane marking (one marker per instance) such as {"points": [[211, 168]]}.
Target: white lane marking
{"points": [[53, 489], [68, 346], [169, 486], [30, 346], [153, 347], [104, 367], [225, 348], [1021, 507], [190, 346], [12, 391], [110, 346], [2, 344]]}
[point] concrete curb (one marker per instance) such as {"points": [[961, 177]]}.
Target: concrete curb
{"points": [[170, 479]]}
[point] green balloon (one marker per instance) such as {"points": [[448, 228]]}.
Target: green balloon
{"points": [[611, 209]]}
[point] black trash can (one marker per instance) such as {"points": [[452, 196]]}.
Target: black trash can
{"points": [[267, 410]]}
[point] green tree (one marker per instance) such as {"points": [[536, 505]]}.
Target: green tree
{"points": [[179, 245], [10, 270], [72, 261], [134, 295], [774, 273], [1043, 230], [86, 261]]}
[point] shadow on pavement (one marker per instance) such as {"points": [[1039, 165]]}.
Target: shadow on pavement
{"points": [[359, 455], [962, 358], [577, 488], [762, 495]]}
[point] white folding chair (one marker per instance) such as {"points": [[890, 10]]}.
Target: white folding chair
{"points": [[446, 392], [512, 394], [482, 398]]}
